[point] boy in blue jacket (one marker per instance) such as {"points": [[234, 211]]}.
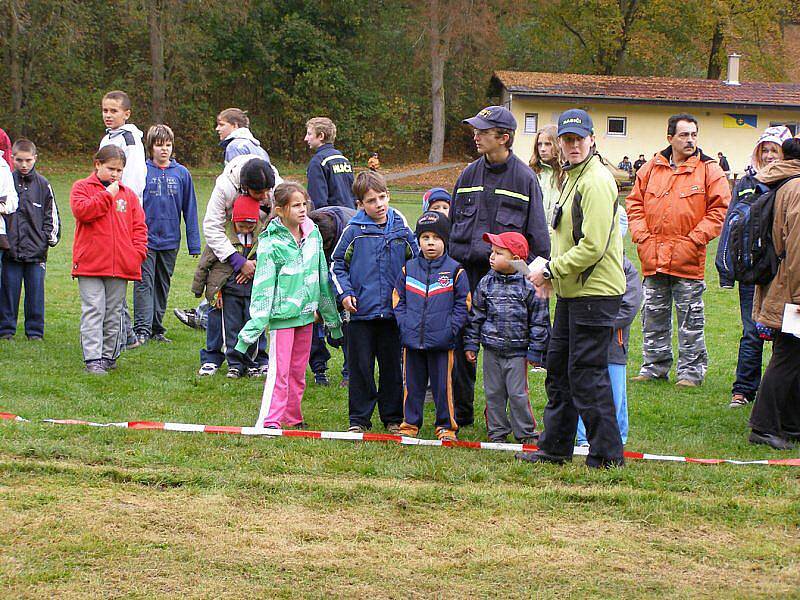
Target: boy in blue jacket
{"points": [[513, 325], [168, 193], [431, 299], [366, 263]]}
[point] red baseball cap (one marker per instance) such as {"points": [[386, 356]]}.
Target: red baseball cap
{"points": [[510, 240]]}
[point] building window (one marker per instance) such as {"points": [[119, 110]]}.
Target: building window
{"points": [[617, 126], [531, 122], [793, 127]]}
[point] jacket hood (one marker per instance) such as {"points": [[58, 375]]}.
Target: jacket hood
{"points": [[172, 163], [242, 133], [780, 169], [361, 218], [130, 127]]}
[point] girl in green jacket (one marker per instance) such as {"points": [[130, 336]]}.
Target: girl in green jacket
{"points": [[290, 291]]}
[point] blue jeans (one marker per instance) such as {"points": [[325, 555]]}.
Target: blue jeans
{"points": [[751, 347], [13, 275], [212, 353], [618, 374]]}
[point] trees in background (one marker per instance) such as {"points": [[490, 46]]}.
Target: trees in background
{"points": [[397, 77]]}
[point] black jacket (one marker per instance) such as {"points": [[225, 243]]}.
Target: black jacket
{"points": [[35, 225], [492, 199]]}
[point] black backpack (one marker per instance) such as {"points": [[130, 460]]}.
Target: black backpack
{"points": [[753, 257]]}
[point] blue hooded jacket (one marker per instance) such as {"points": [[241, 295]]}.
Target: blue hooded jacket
{"points": [[330, 178], [431, 300], [240, 142], [168, 193], [367, 261]]}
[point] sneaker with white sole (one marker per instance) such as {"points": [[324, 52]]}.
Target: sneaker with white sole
{"points": [[234, 373], [207, 369]]}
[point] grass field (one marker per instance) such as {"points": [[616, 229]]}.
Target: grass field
{"points": [[117, 513]]}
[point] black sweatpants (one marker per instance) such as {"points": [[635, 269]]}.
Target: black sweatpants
{"points": [[419, 367], [578, 382], [777, 407], [367, 341], [465, 372]]}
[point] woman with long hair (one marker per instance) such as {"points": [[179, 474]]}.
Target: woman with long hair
{"points": [[546, 163]]}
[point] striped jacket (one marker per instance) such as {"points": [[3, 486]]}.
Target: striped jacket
{"points": [[431, 299], [492, 199]]}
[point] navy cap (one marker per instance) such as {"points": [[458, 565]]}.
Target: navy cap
{"points": [[575, 121], [493, 116]]}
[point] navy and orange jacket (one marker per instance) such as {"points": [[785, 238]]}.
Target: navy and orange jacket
{"points": [[110, 232], [431, 301]]}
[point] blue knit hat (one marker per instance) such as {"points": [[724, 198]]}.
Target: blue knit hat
{"points": [[434, 194]]}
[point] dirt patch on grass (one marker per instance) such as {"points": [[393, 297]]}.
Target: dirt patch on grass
{"points": [[120, 540]]}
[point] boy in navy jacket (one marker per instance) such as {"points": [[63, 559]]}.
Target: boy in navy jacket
{"points": [[31, 231], [366, 263], [329, 173], [168, 193], [513, 325], [431, 299]]}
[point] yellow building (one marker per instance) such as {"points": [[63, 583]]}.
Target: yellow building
{"points": [[630, 113]]}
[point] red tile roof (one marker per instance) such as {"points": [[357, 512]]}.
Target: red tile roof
{"points": [[650, 89]]}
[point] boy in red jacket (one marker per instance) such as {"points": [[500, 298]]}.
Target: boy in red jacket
{"points": [[110, 246]]}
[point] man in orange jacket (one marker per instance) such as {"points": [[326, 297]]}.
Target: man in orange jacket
{"points": [[675, 209]]}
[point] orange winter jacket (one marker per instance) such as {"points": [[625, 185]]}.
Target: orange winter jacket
{"points": [[674, 214]]}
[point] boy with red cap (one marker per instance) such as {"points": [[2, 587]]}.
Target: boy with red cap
{"points": [[230, 290], [513, 325]]}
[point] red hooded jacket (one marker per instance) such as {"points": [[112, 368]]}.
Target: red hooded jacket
{"points": [[110, 233]]}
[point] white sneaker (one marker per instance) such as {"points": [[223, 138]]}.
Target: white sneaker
{"points": [[207, 369]]}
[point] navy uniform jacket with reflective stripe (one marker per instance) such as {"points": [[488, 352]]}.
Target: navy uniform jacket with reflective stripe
{"points": [[330, 178], [496, 198], [431, 300]]}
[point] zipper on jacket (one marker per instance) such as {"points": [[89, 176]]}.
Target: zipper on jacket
{"points": [[425, 303]]}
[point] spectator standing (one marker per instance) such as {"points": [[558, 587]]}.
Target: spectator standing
{"points": [[775, 420], [675, 209], [723, 164], [168, 194], [587, 276], [547, 164], [5, 149], [32, 230], [494, 194], [640, 162], [748, 365], [235, 137], [329, 173]]}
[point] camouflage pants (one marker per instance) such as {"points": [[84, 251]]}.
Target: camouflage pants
{"points": [[659, 293]]}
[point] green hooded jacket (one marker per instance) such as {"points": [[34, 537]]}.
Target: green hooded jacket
{"points": [[586, 252], [290, 284]]}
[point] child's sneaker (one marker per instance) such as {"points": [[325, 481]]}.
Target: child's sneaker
{"points": [[95, 367], [160, 337], [321, 379], [409, 430], [207, 369], [109, 364], [257, 372], [234, 373], [446, 435], [393, 428], [357, 429]]}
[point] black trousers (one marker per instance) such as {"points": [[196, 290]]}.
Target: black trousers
{"points": [[464, 372], [777, 407], [578, 382], [367, 341]]}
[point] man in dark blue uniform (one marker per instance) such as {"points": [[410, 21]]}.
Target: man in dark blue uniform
{"points": [[496, 193], [330, 174]]}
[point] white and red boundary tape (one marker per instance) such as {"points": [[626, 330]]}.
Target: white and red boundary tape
{"points": [[384, 437]]}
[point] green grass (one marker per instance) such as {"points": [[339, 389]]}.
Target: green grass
{"points": [[118, 513]]}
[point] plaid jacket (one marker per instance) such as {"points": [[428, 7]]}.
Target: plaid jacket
{"points": [[508, 317]]}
